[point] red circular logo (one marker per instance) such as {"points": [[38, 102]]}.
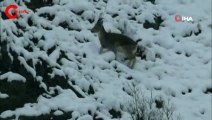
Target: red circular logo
{"points": [[13, 14], [178, 18]]}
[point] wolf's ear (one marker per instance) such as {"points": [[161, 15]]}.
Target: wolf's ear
{"points": [[100, 20], [101, 15]]}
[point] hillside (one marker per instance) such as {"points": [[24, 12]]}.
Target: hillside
{"points": [[51, 68]]}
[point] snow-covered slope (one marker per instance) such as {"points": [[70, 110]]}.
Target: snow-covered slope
{"points": [[50, 66]]}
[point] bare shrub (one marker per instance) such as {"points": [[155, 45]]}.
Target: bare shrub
{"points": [[142, 107]]}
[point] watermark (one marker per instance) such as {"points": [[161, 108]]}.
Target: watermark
{"points": [[12, 11], [180, 18]]}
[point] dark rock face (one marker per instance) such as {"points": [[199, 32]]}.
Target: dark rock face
{"points": [[34, 4], [28, 92], [50, 116], [19, 92]]}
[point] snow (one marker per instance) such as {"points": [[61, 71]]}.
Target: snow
{"points": [[182, 72], [10, 76], [45, 105], [3, 96], [29, 69], [58, 112]]}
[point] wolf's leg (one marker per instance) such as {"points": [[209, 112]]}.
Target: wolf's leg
{"points": [[131, 62]]}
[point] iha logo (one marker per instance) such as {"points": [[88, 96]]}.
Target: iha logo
{"points": [[12, 11], [179, 18]]}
